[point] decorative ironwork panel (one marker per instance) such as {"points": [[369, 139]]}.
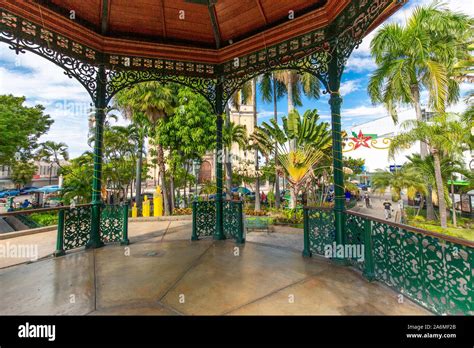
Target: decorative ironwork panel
{"points": [[355, 239], [77, 227], [435, 273], [233, 220], [205, 218], [118, 79], [321, 229], [111, 223]]}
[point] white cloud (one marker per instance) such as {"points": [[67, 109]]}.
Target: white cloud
{"points": [[350, 86]]}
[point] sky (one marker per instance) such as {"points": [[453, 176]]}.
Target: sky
{"points": [[68, 103]]}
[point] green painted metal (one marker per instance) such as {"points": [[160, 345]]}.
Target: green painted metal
{"points": [[100, 105], [433, 272], [339, 198], [77, 226], [219, 235], [355, 239], [306, 239], [319, 231], [233, 221], [112, 223], [204, 219], [205, 216], [125, 240], [60, 237]]}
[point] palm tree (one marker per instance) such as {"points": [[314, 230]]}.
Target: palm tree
{"points": [[297, 130], [407, 177], [272, 90], [444, 137], [298, 165], [449, 167], [145, 104], [419, 56], [296, 84], [53, 153]]}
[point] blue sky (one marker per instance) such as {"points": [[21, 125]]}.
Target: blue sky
{"points": [[41, 82]]}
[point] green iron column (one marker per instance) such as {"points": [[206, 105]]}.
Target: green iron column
{"points": [[100, 105], [219, 163], [335, 102]]}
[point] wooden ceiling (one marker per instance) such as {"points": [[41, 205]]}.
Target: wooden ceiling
{"points": [[209, 31], [182, 21]]}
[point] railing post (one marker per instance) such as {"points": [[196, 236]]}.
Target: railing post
{"points": [[369, 271], [125, 240], [306, 247], [60, 237], [194, 235], [240, 232]]}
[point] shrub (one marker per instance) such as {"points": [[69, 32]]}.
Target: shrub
{"points": [[182, 211]]}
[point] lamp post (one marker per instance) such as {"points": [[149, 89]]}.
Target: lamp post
{"points": [[196, 167]]}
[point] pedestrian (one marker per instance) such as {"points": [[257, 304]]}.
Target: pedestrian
{"points": [[387, 209], [367, 200]]}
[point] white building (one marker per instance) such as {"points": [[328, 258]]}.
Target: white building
{"points": [[370, 141]]}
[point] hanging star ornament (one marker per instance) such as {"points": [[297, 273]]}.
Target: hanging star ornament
{"points": [[361, 140]]}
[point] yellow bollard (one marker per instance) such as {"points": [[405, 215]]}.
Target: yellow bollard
{"points": [[134, 210], [157, 202], [146, 206]]}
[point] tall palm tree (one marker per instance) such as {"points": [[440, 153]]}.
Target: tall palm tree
{"points": [[449, 168], [405, 178], [273, 90], [145, 104], [234, 133], [444, 136], [53, 153], [419, 56]]}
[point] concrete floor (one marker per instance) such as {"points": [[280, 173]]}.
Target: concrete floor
{"points": [[166, 274]]}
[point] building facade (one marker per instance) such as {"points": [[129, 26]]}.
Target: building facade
{"points": [[46, 174]]}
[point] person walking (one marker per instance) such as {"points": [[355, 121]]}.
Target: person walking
{"points": [[387, 209], [367, 200]]}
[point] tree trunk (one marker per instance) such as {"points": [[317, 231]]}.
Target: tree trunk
{"points": [[439, 185], [138, 175], [164, 190], [430, 215], [275, 115], [172, 194], [453, 203], [419, 116]]}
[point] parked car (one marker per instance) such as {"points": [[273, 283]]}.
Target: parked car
{"points": [[27, 190], [9, 193], [47, 189]]}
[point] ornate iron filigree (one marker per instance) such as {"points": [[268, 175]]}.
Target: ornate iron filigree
{"points": [[111, 223], [119, 79], [204, 219], [76, 59], [321, 229], [233, 221], [77, 227], [355, 238], [437, 274]]}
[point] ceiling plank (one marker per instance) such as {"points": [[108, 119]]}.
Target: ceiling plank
{"points": [[163, 19], [215, 23], [262, 12]]}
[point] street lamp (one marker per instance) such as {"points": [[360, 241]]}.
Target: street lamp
{"points": [[196, 167]]}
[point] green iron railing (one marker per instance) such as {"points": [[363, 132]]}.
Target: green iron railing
{"points": [[204, 220], [431, 269], [74, 226]]}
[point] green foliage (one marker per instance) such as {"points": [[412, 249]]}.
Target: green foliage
{"points": [[45, 219], [22, 172], [420, 56], [355, 164], [78, 179], [20, 128]]}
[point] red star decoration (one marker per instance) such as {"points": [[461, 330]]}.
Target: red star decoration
{"points": [[361, 140]]}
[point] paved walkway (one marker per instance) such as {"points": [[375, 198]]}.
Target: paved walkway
{"points": [[163, 273]]}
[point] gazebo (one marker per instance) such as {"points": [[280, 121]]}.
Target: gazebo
{"points": [[214, 47]]}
